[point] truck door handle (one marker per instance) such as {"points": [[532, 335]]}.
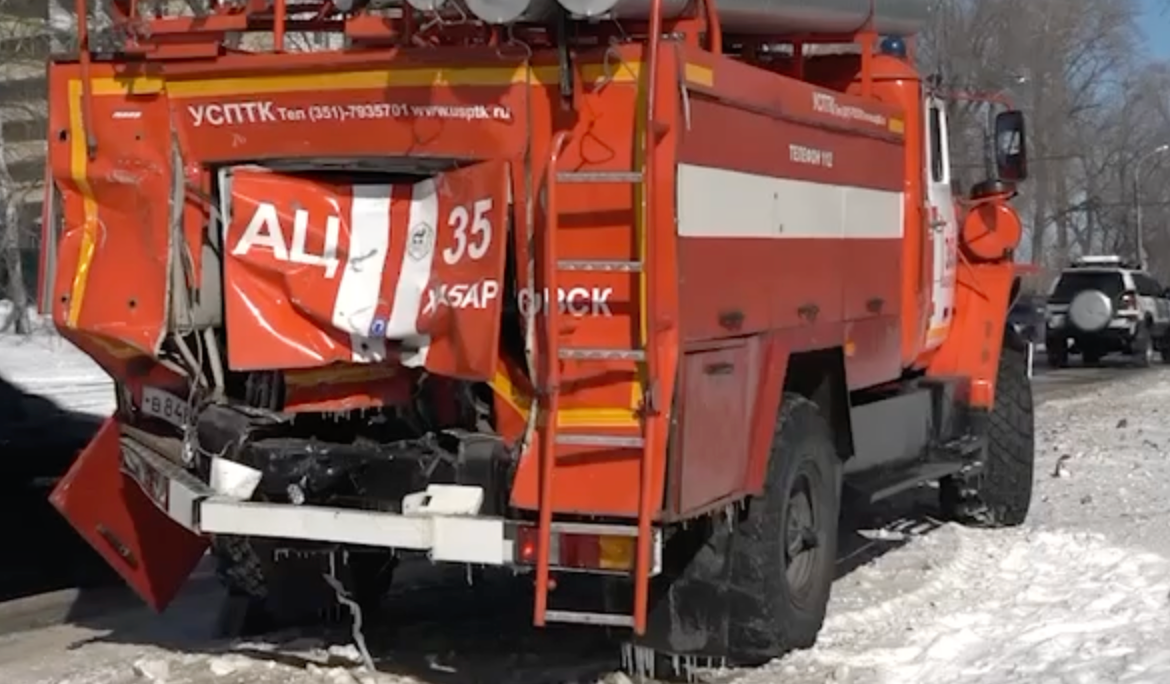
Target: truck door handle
{"points": [[875, 305], [722, 368], [731, 320]]}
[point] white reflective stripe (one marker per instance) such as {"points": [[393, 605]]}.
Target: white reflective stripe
{"points": [[361, 281], [414, 276], [721, 203], [461, 539], [284, 521]]}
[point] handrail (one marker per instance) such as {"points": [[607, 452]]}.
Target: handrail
{"points": [[650, 402], [549, 387]]}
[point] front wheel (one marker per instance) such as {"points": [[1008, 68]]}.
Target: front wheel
{"points": [[1056, 351], [1001, 494], [1143, 347]]}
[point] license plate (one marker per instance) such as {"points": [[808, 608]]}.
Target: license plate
{"points": [[163, 405]]}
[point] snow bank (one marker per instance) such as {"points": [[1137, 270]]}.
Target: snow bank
{"points": [[1080, 594], [997, 607], [45, 364]]}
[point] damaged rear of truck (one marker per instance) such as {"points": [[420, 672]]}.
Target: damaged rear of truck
{"points": [[629, 300]]}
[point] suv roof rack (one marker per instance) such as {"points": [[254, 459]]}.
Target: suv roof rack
{"points": [[1103, 260]]}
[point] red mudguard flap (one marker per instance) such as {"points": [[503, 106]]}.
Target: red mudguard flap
{"points": [[319, 272], [154, 554]]}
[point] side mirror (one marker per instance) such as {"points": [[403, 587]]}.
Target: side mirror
{"points": [[1011, 146]]}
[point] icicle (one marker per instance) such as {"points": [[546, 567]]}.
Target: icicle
{"points": [[356, 611]]}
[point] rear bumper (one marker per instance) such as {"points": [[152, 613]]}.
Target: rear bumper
{"points": [[1118, 334], [152, 520], [441, 521]]}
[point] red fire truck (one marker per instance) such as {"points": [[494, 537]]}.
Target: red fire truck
{"points": [[623, 289]]}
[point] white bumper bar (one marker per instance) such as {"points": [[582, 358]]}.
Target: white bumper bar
{"points": [[461, 539]]}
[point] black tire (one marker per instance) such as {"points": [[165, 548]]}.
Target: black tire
{"points": [[1056, 351], [277, 594], [1092, 357], [1163, 347], [1143, 347], [804, 477], [1001, 494]]}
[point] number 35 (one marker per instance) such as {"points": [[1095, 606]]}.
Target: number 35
{"points": [[461, 220]]}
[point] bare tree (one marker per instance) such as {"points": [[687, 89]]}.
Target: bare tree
{"points": [[23, 44], [1096, 104]]}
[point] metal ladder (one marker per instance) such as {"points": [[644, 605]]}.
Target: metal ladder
{"points": [[652, 423]]}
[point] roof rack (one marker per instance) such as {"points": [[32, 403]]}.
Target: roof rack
{"points": [[1103, 260]]}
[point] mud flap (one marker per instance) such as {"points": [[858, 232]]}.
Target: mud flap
{"points": [[153, 553], [691, 608]]}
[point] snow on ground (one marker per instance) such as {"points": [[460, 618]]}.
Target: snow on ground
{"points": [[1081, 594], [47, 365]]}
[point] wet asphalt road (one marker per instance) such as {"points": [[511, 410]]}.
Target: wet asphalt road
{"points": [[41, 553]]}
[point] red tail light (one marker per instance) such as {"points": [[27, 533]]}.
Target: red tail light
{"points": [[578, 551], [1129, 301]]}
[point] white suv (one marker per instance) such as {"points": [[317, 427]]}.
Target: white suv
{"points": [[1101, 305]]}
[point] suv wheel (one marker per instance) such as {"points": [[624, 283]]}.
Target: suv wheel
{"points": [[1162, 346], [1143, 347], [1056, 351]]}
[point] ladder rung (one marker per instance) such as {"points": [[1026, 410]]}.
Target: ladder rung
{"points": [[582, 354], [579, 618], [599, 176], [606, 441], [599, 265]]}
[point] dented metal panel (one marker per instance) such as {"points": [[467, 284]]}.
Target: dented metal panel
{"points": [[104, 497], [320, 271]]}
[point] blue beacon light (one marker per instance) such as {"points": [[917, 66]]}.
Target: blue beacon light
{"points": [[893, 46]]}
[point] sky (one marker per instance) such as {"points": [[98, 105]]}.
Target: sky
{"points": [[1157, 25]]}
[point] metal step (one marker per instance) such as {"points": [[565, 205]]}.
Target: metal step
{"points": [[582, 354], [605, 265], [605, 441], [877, 488], [599, 176], [599, 619]]}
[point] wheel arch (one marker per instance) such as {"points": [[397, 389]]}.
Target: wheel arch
{"points": [[819, 376]]}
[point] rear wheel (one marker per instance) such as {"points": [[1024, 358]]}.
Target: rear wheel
{"points": [[787, 544], [1001, 494], [750, 587], [272, 589], [1162, 345]]}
